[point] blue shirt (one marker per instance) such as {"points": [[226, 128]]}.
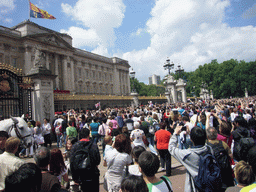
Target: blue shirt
{"points": [[94, 128]]}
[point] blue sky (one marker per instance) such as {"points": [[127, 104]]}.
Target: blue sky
{"points": [[146, 32]]}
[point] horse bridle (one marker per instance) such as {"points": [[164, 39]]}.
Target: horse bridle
{"points": [[14, 126]]}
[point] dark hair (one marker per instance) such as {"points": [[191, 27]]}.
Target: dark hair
{"points": [[149, 163], [136, 151], [241, 121], [70, 122], [162, 125], [122, 144], [251, 158], [185, 118], [104, 120], [198, 136], [115, 132], [134, 183], [27, 178], [4, 134], [57, 164], [203, 119], [42, 156], [252, 123], [84, 133]]}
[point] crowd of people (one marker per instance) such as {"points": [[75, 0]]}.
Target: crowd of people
{"points": [[136, 144]]}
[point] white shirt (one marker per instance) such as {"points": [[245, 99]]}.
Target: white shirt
{"points": [[58, 120], [46, 128], [134, 170], [8, 164], [193, 119], [136, 136], [116, 162]]}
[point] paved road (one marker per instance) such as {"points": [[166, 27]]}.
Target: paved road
{"points": [[177, 178]]}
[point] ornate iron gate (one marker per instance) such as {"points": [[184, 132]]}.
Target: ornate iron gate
{"points": [[15, 92]]}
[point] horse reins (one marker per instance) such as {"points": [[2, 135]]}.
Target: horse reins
{"points": [[14, 126]]}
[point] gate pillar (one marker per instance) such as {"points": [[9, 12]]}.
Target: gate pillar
{"points": [[42, 96]]}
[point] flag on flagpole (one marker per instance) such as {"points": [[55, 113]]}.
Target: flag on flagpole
{"points": [[35, 12]]}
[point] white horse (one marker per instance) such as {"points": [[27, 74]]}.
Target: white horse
{"points": [[17, 127]]}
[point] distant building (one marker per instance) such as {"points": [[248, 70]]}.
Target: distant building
{"points": [[154, 80]]}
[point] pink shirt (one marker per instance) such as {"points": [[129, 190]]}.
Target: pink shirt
{"points": [[227, 140], [114, 123]]}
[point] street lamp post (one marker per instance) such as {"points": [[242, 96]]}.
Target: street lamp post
{"points": [[134, 93], [179, 71], [132, 74], [168, 66]]}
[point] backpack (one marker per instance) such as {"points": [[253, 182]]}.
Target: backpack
{"points": [[57, 130], [223, 160], [244, 145], [209, 173], [152, 129], [167, 184], [81, 164], [156, 125]]}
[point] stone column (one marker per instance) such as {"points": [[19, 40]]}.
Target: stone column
{"points": [[128, 83], [174, 93], [65, 73], [47, 60], [115, 80], [211, 95], [135, 99], [57, 71], [28, 64], [72, 65], [184, 95], [246, 93]]}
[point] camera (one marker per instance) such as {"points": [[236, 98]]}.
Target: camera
{"points": [[184, 128]]}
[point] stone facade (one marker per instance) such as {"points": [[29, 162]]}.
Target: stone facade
{"points": [[78, 71]]}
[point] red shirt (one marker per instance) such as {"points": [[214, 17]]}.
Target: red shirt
{"points": [[162, 138]]}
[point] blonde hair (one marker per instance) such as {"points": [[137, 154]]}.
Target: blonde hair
{"points": [[107, 139], [12, 144], [244, 173]]}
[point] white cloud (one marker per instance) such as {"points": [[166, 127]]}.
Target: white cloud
{"points": [[6, 5], [8, 20], [101, 50], [82, 37], [97, 15], [191, 32], [250, 13]]}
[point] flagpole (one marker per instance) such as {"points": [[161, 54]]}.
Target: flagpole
{"points": [[29, 10]]}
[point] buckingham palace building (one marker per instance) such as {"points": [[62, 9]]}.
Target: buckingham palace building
{"points": [[77, 71]]}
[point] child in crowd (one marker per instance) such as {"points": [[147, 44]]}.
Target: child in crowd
{"points": [[108, 141], [58, 134], [30, 150], [133, 183], [66, 156], [134, 169], [149, 165]]}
